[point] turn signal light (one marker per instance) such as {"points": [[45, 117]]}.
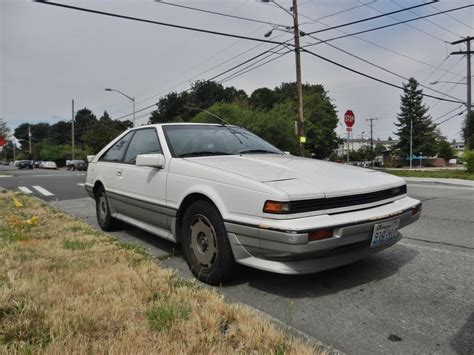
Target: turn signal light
{"points": [[416, 209], [276, 207], [319, 234]]}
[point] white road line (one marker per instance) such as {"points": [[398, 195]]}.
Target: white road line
{"points": [[445, 186], [6, 176], [436, 249], [25, 190], [43, 191], [80, 184]]}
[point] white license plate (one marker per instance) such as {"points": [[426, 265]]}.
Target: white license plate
{"points": [[384, 233]]}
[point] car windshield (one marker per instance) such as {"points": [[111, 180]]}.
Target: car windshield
{"points": [[196, 140]]}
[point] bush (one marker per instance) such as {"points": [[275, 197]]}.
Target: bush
{"points": [[468, 158]]}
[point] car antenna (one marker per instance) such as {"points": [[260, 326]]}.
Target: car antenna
{"points": [[210, 113]]}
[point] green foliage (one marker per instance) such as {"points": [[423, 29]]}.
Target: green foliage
{"points": [[445, 150], [379, 149], [166, 313], [468, 130], [468, 158], [76, 244], [413, 110]]}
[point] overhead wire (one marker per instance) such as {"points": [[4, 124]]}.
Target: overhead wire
{"points": [[454, 18], [382, 68], [374, 78], [430, 21], [447, 113], [411, 26], [369, 18], [389, 25], [449, 118]]}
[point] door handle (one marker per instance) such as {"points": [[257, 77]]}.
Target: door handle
{"points": [[118, 172]]}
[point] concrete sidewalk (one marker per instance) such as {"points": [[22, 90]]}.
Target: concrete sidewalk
{"points": [[427, 180]]}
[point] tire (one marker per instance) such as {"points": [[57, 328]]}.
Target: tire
{"points": [[102, 209], [206, 246]]}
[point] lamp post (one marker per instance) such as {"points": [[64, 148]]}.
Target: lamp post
{"points": [[447, 82], [421, 158], [299, 87], [128, 97], [73, 135]]}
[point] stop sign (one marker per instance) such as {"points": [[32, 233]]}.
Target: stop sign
{"points": [[349, 118]]}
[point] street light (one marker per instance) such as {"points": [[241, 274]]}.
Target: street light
{"points": [[128, 97], [447, 82], [421, 158]]}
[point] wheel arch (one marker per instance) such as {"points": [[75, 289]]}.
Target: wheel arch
{"points": [[96, 187], [188, 201]]}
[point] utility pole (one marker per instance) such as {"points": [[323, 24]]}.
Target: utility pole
{"points": [[468, 53], [29, 138], [371, 131], [72, 133], [299, 87]]}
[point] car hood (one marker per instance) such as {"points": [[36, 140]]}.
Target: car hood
{"points": [[303, 177]]}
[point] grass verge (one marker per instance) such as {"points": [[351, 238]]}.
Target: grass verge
{"points": [[66, 288], [440, 174]]}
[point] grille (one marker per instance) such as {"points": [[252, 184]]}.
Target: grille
{"points": [[345, 201]]}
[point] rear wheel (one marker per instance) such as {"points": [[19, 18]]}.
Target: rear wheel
{"points": [[206, 246], [104, 218]]}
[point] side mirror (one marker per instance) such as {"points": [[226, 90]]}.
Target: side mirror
{"points": [[89, 158], [151, 160]]}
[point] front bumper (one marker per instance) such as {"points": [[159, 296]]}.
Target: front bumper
{"points": [[282, 246]]}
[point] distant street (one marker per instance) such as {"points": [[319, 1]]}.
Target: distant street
{"points": [[416, 297]]}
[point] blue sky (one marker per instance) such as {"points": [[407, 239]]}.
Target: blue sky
{"points": [[51, 55]]}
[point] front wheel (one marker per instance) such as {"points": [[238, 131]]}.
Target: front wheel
{"points": [[104, 217], [206, 246]]}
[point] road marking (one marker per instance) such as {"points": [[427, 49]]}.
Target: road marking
{"points": [[43, 191], [454, 187], [81, 184], [25, 190], [5, 176]]}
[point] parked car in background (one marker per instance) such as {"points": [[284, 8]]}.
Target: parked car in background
{"points": [[230, 197], [36, 163], [49, 165], [25, 164], [76, 165]]}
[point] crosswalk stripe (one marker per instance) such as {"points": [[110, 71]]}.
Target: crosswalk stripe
{"points": [[25, 190], [43, 191], [80, 184]]}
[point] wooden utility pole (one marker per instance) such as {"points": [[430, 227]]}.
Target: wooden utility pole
{"points": [[299, 87], [72, 133], [29, 138], [468, 53]]}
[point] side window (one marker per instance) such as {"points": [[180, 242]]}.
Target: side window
{"points": [[145, 141], [118, 149]]}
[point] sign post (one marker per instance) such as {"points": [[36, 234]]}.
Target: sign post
{"points": [[349, 120]]}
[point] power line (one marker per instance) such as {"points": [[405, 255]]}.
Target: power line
{"points": [[382, 68], [432, 22], [412, 26], [447, 113], [390, 25], [446, 120], [219, 13], [374, 78], [383, 47], [370, 18], [336, 13], [187, 28], [454, 18]]}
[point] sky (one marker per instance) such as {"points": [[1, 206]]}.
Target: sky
{"points": [[51, 55]]}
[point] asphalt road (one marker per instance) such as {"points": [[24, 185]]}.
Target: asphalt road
{"points": [[415, 297]]}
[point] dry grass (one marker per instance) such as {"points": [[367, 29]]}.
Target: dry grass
{"points": [[66, 288]]}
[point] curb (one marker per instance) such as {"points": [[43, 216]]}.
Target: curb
{"points": [[445, 182]]}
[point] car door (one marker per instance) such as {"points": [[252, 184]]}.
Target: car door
{"points": [[110, 166], [144, 188]]}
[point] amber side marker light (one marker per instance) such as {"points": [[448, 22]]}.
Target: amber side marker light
{"points": [[319, 234], [275, 207]]}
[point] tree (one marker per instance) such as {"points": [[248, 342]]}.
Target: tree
{"points": [[263, 98], [412, 110], [379, 149], [445, 150], [468, 130]]}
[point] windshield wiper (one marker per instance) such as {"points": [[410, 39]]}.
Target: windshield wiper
{"points": [[201, 154], [257, 151]]}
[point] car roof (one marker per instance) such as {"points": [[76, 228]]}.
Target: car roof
{"points": [[180, 124]]}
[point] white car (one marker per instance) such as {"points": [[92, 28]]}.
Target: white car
{"points": [[49, 165], [230, 197]]}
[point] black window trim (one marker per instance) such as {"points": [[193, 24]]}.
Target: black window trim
{"points": [[141, 129], [101, 159]]}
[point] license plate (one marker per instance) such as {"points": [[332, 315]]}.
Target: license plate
{"points": [[384, 233]]}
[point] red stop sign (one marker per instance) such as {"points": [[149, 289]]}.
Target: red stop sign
{"points": [[349, 118], [2, 141]]}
